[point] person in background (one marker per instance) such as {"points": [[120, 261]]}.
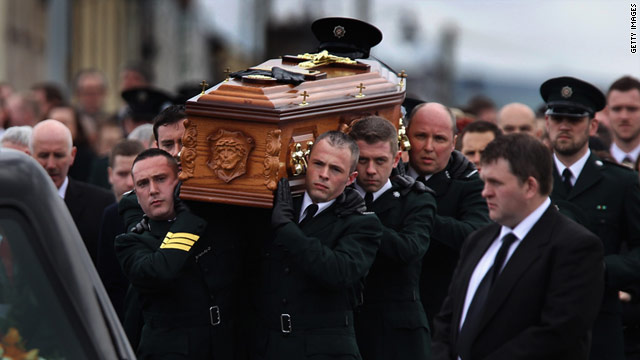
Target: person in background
{"points": [[475, 137], [85, 156], [52, 146], [623, 110], [17, 138], [90, 88], [48, 96], [22, 109], [600, 195], [460, 207], [517, 117], [115, 282]]}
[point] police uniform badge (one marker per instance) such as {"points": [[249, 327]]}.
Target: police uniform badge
{"points": [[339, 31], [566, 92]]}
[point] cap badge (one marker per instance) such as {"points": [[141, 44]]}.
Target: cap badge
{"points": [[142, 96], [566, 92], [339, 31]]}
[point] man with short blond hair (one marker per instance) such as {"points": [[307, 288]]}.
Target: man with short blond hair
{"points": [[323, 246]]}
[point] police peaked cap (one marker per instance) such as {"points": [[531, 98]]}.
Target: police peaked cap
{"points": [[340, 35], [568, 96], [146, 102]]}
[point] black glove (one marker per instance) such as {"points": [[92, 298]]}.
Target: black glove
{"points": [[282, 205], [142, 226], [406, 182], [349, 202], [241, 73], [287, 77], [281, 75], [178, 204], [460, 167]]}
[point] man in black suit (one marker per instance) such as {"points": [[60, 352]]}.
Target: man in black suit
{"points": [[119, 170], [601, 195], [51, 145], [529, 286], [461, 209], [391, 321]]}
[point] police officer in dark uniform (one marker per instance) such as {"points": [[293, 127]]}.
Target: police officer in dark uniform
{"points": [[323, 245], [181, 266], [454, 179], [391, 323], [605, 198]]}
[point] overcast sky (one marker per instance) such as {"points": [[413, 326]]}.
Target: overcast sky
{"points": [[513, 39]]}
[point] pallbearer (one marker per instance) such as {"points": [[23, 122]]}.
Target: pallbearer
{"points": [[391, 323]]}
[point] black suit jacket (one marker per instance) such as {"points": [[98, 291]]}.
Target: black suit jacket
{"points": [[544, 302], [86, 203], [461, 209], [114, 280]]}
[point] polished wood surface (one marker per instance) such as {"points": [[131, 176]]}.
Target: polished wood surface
{"points": [[267, 121]]}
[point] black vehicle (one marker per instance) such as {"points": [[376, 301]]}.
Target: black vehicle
{"points": [[51, 298]]}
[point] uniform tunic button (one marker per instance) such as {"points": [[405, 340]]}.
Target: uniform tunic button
{"points": [[286, 270], [267, 254], [284, 301]]}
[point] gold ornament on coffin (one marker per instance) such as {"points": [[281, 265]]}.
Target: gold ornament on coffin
{"points": [[272, 159]]}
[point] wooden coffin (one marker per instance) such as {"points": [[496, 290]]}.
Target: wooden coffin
{"points": [[243, 135]]}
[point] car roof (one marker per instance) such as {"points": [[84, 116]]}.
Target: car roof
{"points": [[27, 188]]}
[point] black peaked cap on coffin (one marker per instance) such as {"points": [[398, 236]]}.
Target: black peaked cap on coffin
{"points": [[146, 102], [568, 96], [346, 37]]}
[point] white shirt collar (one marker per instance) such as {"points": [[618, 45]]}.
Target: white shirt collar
{"points": [[619, 154], [522, 229], [62, 191], [306, 201], [576, 167], [482, 267], [414, 174], [376, 194]]}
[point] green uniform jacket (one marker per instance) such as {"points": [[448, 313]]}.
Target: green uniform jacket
{"points": [[391, 323], [606, 200], [461, 210], [306, 286], [181, 274]]}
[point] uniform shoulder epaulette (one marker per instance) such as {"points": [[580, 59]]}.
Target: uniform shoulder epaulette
{"points": [[606, 162]]}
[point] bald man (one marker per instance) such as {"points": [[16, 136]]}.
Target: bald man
{"points": [[516, 117], [460, 207], [52, 147]]}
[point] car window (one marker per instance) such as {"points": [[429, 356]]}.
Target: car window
{"points": [[35, 315]]}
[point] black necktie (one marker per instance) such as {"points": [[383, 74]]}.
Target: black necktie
{"points": [[566, 179], [368, 200], [308, 214], [474, 314]]}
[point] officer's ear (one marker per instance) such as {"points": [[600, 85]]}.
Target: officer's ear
{"points": [[593, 126], [396, 159]]}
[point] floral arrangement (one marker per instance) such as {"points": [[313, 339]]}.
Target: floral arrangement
{"points": [[12, 347]]}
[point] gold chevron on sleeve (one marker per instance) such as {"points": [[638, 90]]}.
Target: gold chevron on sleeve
{"points": [[179, 241]]}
